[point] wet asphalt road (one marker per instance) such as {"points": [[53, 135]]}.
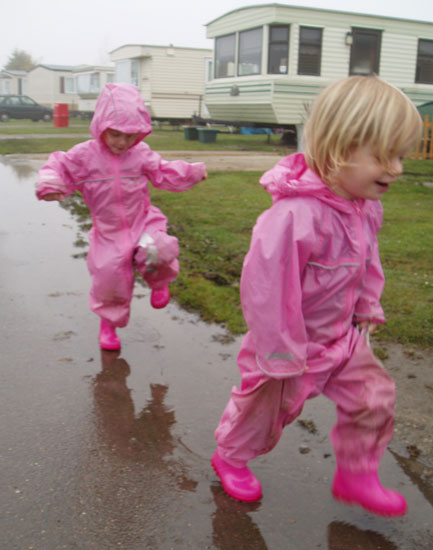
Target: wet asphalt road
{"points": [[105, 450]]}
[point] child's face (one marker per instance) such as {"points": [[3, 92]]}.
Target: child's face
{"points": [[118, 142], [365, 177]]}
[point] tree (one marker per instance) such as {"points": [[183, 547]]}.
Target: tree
{"points": [[20, 60]]}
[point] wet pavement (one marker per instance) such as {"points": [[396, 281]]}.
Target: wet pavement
{"points": [[104, 450], [216, 161]]}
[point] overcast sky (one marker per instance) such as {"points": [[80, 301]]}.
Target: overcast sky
{"points": [[83, 32]]}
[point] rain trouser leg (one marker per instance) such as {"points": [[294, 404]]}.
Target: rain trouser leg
{"points": [[112, 275], [256, 413], [364, 394]]}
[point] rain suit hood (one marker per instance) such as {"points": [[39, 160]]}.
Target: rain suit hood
{"points": [[291, 177], [120, 107]]}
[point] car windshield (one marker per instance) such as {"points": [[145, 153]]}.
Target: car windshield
{"points": [[27, 100]]}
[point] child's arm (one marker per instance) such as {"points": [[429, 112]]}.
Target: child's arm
{"points": [[271, 291], [175, 175], [57, 178]]}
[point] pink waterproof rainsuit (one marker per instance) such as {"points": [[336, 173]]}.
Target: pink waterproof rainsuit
{"points": [[311, 273], [115, 187]]}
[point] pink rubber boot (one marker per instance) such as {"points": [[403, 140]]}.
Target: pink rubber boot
{"points": [[365, 490], [108, 338], [239, 483], [160, 297]]}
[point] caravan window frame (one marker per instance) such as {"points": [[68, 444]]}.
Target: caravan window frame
{"points": [[222, 59], [250, 52], [424, 62], [358, 55], [312, 49], [278, 51]]}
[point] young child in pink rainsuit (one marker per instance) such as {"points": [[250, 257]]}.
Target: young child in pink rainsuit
{"points": [[310, 290], [112, 172]]}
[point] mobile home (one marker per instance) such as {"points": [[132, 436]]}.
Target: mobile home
{"points": [[13, 82], [49, 84], [89, 81], [270, 60], [171, 80]]}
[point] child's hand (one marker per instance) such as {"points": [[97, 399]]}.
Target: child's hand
{"points": [[204, 176], [52, 197], [371, 327]]}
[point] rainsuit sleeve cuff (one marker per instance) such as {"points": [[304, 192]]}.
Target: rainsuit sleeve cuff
{"points": [[46, 188], [377, 318]]}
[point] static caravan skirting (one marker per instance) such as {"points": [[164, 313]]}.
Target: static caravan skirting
{"points": [[265, 101], [274, 101], [419, 96]]}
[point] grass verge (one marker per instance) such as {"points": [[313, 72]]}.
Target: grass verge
{"points": [[213, 222], [159, 140]]}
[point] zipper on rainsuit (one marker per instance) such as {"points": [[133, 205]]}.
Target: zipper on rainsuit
{"points": [[120, 203], [350, 301]]}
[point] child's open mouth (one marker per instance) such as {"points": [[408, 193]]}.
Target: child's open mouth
{"points": [[383, 185]]}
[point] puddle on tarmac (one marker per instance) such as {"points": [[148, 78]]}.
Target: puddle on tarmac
{"points": [[111, 450]]}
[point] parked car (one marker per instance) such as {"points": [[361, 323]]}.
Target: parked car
{"points": [[22, 106]]}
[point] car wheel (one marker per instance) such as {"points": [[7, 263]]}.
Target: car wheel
{"points": [[4, 117], [47, 117]]}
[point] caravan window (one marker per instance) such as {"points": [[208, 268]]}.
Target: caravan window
{"points": [[365, 51], [278, 49], [5, 87], [310, 51], [128, 71], [88, 83], [225, 56], [250, 52], [134, 72], [424, 62], [67, 85]]}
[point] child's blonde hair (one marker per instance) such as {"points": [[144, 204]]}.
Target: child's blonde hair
{"points": [[355, 112]]}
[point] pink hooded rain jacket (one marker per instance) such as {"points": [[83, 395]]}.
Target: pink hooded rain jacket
{"points": [[115, 187], [312, 270]]}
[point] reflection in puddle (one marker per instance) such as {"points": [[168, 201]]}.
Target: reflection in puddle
{"points": [[23, 168], [143, 438], [417, 472], [343, 536], [233, 529], [134, 478]]}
